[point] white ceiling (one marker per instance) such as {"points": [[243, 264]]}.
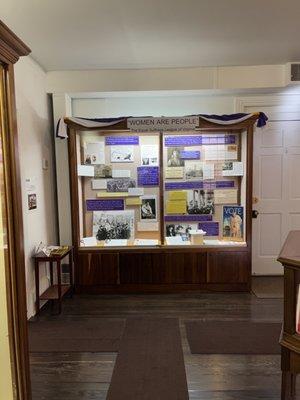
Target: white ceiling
{"points": [[93, 34]]}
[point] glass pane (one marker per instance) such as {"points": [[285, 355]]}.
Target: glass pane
{"points": [[118, 188]]}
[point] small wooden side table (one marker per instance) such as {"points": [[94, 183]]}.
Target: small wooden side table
{"points": [[54, 291]]}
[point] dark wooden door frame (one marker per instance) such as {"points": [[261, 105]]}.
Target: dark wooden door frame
{"points": [[11, 48]]}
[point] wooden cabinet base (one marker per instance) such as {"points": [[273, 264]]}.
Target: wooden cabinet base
{"points": [[162, 271]]}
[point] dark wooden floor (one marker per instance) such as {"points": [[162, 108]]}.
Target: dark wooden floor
{"points": [[86, 376]]}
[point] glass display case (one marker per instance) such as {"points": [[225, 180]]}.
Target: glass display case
{"points": [[149, 196], [161, 189]]}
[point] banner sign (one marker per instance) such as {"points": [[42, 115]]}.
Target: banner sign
{"points": [[162, 123], [189, 155], [198, 140], [104, 205], [188, 218], [121, 140], [198, 185]]}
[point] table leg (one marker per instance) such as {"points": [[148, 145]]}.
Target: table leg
{"points": [[37, 287], [51, 281], [288, 385], [59, 285], [71, 271]]}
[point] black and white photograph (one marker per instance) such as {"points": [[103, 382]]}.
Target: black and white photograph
{"points": [[201, 201], [173, 157], [108, 225], [102, 171], [32, 202], [193, 170], [94, 153], [179, 229], [120, 184], [149, 208], [149, 155], [122, 154]]}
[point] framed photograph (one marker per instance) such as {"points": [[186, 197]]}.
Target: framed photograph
{"points": [[180, 229], [233, 223], [200, 201], [121, 154], [173, 157], [32, 202], [149, 208], [120, 184], [102, 171], [108, 225]]}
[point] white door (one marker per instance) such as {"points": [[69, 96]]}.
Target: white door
{"points": [[276, 186]]}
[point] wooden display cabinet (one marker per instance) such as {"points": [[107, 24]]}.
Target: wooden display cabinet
{"points": [[162, 268], [290, 338]]}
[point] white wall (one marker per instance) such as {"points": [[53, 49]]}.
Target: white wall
{"points": [[35, 143], [154, 106]]}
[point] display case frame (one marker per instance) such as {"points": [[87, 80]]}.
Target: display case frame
{"points": [[161, 268]]}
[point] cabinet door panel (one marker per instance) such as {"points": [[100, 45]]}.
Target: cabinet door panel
{"points": [[97, 269], [227, 267], [185, 267]]}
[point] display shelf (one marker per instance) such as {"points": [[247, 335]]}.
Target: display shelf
{"points": [[52, 292], [161, 190]]}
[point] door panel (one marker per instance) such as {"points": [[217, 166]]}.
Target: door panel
{"points": [[276, 185]]}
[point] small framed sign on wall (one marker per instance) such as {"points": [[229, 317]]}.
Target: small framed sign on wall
{"points": [[32, 201]]}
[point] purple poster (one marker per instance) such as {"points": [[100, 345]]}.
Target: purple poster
{"points": [[121, 140], [193, 140], [196, 140], [226, 139], [184, 185], [148, 176], [104, 205], [188, 218], [189, 155], [211, 228], [224, 184]]}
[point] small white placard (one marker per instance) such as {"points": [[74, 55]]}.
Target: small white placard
{"points": [[147, 226], [146, 242], [85, 170], [99, 184], [90, 241], [176, 241], [116, 242], [120, 173], [135, 191]]}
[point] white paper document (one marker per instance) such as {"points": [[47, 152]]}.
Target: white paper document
{"points": [[121, 154], [121, 173], [147, 226], [220, 152], [90, 241], [233, 168], [116, 242], [94, 153], [146, 242], [208, 171], [149, 155], [176, 241], [85, 170], [135, 191], [226, 196], [99, 184]]}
